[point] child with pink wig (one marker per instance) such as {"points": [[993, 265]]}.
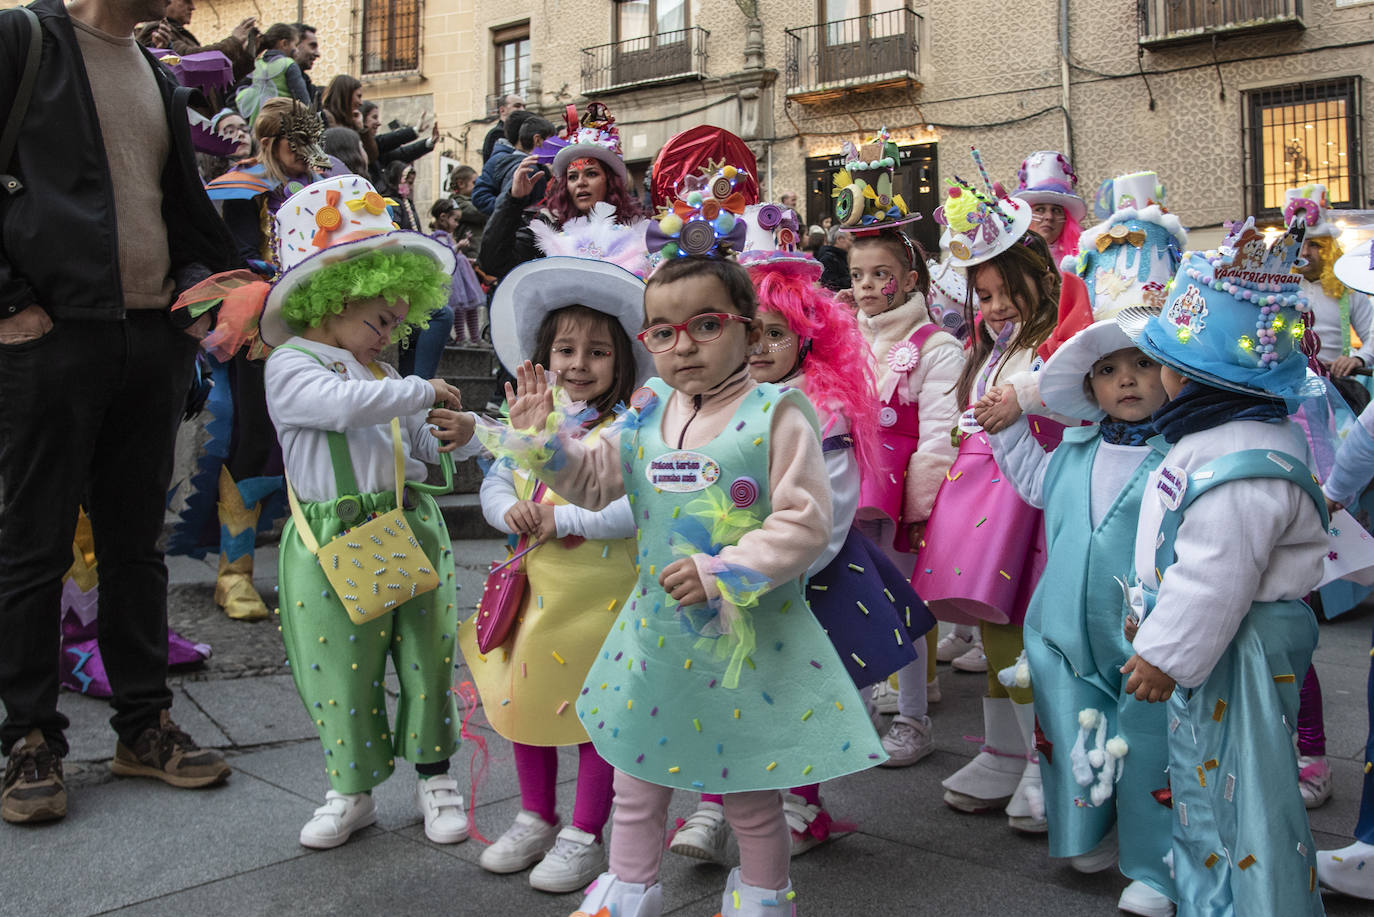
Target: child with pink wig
{"points": [[806, 339]]}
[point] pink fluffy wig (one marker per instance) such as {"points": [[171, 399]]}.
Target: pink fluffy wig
{"points": [[1067, 243], [839, 378]]}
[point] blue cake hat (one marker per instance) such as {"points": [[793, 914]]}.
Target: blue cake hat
{"points": [[1128, 259], [1234, 318]]}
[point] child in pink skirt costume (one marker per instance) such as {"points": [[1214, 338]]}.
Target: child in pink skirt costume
{"points": [[984, 548]]}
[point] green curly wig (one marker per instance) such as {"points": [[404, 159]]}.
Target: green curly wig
{"points": [[408, 276]]}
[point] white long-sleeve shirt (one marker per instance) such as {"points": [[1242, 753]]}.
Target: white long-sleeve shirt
{"points": [[843, 470], [1253, 540], [498, 495], [307, 400], [1023, 460], [1326, 322]]}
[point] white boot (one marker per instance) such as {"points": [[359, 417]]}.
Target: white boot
{"points": [[1349, 870], [740, 900], [989, 780], [1026, 811], [609, 895], [1139, 898]]}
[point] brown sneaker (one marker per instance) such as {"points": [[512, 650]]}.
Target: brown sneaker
{"points": [[34, 790], [170, 755]]}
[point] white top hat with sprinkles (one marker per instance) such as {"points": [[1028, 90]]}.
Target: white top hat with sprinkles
{"points": [[325, 223]]}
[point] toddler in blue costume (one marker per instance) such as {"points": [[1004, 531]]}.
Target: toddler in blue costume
{"points": [[1074, 637], [1232, 534], [715, 678]]}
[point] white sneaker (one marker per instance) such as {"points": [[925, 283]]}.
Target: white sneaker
{"points": [[334, 822], [975, 660], [575, 860], [933, 695], [704, 835], [523, 845], [800, 815], [1139, 898], [907, 741], [609, 895], [953, 645], [1098, 859], [446, 820], [885, 697], [1349, 870], [1314, 780]]}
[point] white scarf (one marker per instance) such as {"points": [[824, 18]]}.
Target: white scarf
{"points": [[885, 331]]}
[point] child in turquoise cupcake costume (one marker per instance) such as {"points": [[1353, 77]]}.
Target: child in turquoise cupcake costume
{"points": [[715, 678]]}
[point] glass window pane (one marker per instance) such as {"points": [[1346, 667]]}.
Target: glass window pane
{"points": [[842, 23], [522, 66], [634, 19], [672, 15]]}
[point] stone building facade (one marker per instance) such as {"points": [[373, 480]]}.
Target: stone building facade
{"points": [[1228, 100]]}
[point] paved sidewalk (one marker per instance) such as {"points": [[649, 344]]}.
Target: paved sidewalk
{"points": [[138, 847]]}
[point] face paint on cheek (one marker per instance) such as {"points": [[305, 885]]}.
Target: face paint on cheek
{"points": [[373, 327], [890, 291]]}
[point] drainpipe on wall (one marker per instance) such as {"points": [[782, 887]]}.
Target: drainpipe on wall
{"points": [[300, 10], [1064, 75]]}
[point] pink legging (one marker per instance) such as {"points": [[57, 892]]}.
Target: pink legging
{"points": [[537, 767], [641, 814]]}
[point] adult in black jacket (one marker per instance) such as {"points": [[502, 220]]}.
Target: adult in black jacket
{"points": [[93, 379]]}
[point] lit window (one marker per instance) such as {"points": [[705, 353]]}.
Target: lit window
{"points": [[1298, 135]]}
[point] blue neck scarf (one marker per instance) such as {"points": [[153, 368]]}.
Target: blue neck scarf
{"points": [[1122, 433], [1199, 407]]}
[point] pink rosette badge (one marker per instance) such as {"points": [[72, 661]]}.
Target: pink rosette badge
{"points": [[903, 357]]}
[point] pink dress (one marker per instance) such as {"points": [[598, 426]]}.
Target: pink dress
{"points": [[984, 548]]}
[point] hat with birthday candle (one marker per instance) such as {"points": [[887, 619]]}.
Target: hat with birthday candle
{"points": [[1234, 318], [980, 225], [867, 190], [1311, 203], [325, 223]]}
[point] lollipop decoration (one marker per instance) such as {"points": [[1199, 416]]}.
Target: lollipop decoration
{"points": [[704, 218]]}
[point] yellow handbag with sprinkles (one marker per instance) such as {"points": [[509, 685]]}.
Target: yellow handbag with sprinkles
{"points": [[377, 565]]}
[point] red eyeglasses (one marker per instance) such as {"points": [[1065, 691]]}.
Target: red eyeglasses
{"points": [[703, 329]]}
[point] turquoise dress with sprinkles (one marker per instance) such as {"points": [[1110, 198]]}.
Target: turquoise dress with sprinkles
{"points": [[674, 701]]}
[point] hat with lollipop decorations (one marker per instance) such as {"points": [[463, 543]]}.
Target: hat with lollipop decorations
{"points": [[980, 225], [866, 192], [773, 231], [705, 217], [1234, 318]]}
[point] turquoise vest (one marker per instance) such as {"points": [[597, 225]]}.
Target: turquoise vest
{"points": [[1241, 840], [1075, 645], [675, 700]]}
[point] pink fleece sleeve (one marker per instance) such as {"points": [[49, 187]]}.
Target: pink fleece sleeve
{"points": [[797, 530], [589, 474]]}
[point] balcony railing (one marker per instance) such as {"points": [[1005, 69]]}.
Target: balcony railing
{"points": [[666, 56], [1165, 22], [867, 52]]}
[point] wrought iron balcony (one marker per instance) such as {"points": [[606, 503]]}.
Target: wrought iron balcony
{"points": [[1168, 22], [868, 52], [660, 58]]}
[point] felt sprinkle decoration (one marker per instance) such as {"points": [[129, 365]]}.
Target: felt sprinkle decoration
{"points": [[704, 220]]}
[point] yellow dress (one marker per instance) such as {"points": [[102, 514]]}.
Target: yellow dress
{"points": [[530, 684]]}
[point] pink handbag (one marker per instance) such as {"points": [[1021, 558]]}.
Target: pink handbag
{"points": [[503, 592]]}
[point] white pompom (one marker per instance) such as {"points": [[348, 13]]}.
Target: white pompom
{"points": [[1117, 747], [1087, 718]]}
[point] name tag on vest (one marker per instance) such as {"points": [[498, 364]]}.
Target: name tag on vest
{"points": [[1171, 484], [682, 472]]}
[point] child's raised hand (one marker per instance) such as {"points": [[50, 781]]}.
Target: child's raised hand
{"points": [[681, 581], [846, 298], [1146, 682], [446, 395], [452, 428], [531, 401], [998, 409]]}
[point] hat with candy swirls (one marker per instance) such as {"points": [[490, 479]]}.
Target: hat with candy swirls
{"points": [[866, 191], [706, 215]]}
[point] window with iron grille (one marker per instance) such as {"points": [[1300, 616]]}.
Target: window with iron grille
{"points": [[391, 35], [1300, 134], [511, 45]]}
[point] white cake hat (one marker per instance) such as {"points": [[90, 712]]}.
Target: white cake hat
{"points": [[1311, 201], [1045, 177]]}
